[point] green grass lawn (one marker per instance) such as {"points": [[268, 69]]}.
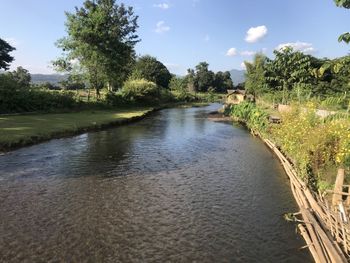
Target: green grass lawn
{"points": [[19, 130]]}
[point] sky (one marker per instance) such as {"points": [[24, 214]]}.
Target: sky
{"points": [[182, 33]]}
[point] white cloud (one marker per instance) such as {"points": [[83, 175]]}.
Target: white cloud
{"points": [[207, 38], [231, 52], [162, 6], [247, 53], [161, 27], [243, 65], [298, 46], [254, 34]]}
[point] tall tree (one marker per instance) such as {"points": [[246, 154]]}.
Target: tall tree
{"points": [[190, 80], [346, 4], [102, 36], [222, 81], [5, 57], [289, 68], [22, 77], [151, 69], [255, 82], [204, 77]]}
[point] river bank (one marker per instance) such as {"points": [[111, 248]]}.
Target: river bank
{"points": [[327, 230], [27, 129]]}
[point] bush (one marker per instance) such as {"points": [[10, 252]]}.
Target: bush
{"points": [[13, 98], [142, 91], [184, 96], [315, 145], [115, 99], [255, 118]]}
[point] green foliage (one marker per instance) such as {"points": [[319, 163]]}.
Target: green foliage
{"points": [[190, 80], [178, 84], [289, 68], [222, 81], [184, 96], [255, 77], [149, 68], [141, 90], [22, 77], [115, 99], [342, 3], [204, 78], [73, 82], [13, 98], [312, 143], [255, 118], [5, 57], [101, 36]]}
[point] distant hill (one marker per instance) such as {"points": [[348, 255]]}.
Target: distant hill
{"points": [[52, 78], [237, 76]]}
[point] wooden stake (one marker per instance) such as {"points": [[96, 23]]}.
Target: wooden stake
{"points": [[338, 187]]}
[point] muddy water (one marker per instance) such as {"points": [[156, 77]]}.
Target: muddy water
{"points": [[173, 187]]}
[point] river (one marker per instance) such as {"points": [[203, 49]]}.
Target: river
{"points": [[173, 187]]}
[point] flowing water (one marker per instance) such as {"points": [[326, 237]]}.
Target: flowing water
{"points": [[174, 187]]}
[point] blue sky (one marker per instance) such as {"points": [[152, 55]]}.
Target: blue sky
{"points": [[181, 33]]}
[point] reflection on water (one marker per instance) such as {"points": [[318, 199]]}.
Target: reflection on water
{"points": [[173, 187]]}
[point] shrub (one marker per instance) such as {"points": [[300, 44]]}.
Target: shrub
{"points": [[141, 90], [254, 117], [115, 99], [13, 98], [314, 144], [184, 96]]}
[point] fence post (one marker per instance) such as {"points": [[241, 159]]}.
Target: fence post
{"points": [[338, 187]]}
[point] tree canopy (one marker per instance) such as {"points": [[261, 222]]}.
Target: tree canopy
{"points": [[149, 68], [5, 57], [255, 77], [101, 37], [202, 79], [21, 76]]}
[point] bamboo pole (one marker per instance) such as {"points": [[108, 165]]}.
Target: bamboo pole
{"points": [[331, 250], [313, 237], [323, 244], [309, 243]]}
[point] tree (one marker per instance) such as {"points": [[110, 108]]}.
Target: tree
{"points": [[149, 68], [178, 84], [5, 57], [190, 80], [255, 82], [204, 78], [21, 76], [101, 36], [222, 81], [346, 4], [288, 69]]}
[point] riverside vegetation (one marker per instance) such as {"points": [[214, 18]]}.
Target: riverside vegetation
{"points": [[315, 145]]}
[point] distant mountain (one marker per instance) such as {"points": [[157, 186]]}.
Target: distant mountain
{"points": [[52, 78], [237, 76]]}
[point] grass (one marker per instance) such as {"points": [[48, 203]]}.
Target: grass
{"points": [[20, 130]]}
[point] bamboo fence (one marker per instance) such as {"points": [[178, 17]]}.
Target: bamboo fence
{"points": [[325, 228]]}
